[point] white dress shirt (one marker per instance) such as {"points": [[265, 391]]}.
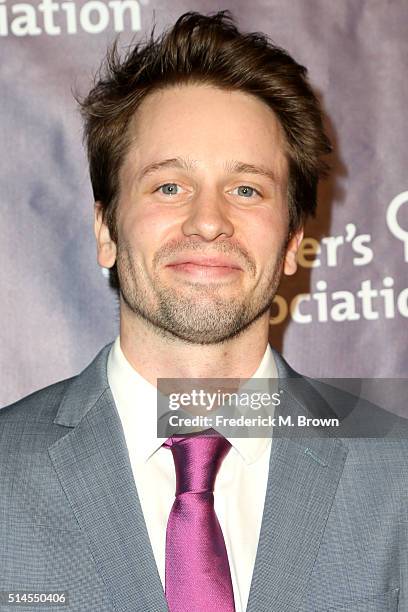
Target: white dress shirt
{"points": [[240, 486]]}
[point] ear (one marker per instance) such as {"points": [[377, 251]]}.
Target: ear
{"points": [[106, 248], [290, 263]]}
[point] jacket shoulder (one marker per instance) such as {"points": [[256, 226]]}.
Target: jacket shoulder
{"points": [[40, 405], [31, 423]]}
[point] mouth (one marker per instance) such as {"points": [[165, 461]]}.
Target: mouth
{"points": [[205, 267]]}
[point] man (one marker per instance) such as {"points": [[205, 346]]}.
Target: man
{"points": [[205, 149]]}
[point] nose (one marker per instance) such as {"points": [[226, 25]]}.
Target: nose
{"points": [[208, 217]]}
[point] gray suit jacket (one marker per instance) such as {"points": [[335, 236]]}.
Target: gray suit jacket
{"points": [[334, 534]]}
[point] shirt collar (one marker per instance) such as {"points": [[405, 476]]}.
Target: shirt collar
{"points": [[136, 402]]}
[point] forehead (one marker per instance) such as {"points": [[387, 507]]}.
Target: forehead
{"points": [[208, 125]]}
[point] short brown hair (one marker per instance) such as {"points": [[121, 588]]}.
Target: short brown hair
{"points": [[211, 50]]}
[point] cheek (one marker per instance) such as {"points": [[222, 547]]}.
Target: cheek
{"points": [[145, 231], [266, 235]]}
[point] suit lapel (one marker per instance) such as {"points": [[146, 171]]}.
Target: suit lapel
{"points": [[93, 467], [304, 473]]}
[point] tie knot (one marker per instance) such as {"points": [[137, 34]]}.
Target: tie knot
{"points": [[197, 459]]}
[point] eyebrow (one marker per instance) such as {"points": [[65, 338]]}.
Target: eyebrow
{"points": [[238, 167], [174, 162], [233, 167]]}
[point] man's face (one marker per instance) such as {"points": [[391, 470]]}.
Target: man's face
{"points": [[202, 216]]}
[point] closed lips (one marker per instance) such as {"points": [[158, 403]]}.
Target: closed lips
{"points": [[216, 262]]}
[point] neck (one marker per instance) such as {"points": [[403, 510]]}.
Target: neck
{"points": [[156, 355]]}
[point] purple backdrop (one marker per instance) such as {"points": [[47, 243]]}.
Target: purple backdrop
{"points": [[344, 314]]}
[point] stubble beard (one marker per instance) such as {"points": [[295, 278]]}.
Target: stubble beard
{"points": [[202, 316]]}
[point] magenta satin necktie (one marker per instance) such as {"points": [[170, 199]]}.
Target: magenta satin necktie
{"points": [[198, 576]]}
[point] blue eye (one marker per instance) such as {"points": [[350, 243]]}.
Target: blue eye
{"points": [[245, 191], [169, 189]]}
